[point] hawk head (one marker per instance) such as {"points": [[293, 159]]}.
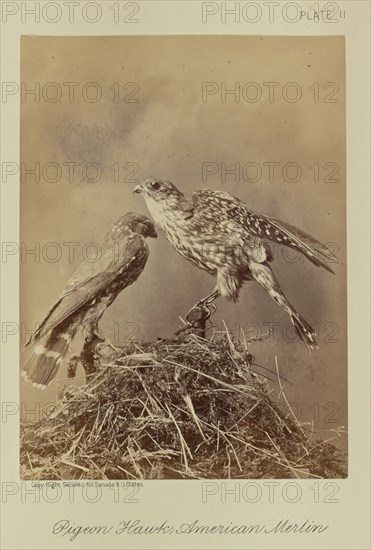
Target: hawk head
{"points": [[137, 223], [164, 201], [158, 190]]}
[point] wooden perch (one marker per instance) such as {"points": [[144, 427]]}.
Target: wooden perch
{"points": [[197, 317]]}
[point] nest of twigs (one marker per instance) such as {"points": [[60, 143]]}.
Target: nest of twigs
{"points": [[173, 410]]}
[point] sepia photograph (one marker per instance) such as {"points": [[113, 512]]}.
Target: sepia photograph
{"points": [[183, 259]]}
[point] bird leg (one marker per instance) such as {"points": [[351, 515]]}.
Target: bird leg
{"points": [[209, 299], [88, 357], [72, 366], [93, 332]]}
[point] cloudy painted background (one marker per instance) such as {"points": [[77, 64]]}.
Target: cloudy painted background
{"points": [[169, 132]]}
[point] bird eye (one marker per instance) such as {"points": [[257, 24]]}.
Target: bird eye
{"points": [[155, 185]]}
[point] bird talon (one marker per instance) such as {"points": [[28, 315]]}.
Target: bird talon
{"points": [[214, 308]]}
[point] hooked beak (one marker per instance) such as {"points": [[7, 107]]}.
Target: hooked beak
{"points": [[153, 233], [138, 189]]}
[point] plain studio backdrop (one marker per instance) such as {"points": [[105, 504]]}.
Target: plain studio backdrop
{"points": [[138, 107]]}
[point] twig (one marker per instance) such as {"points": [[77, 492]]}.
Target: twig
{"points": [[282, 456], [189, 404], [182, 440], [68, 463], [285, 398]]}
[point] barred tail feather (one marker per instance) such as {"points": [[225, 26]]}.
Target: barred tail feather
{"points": [[304, 331], [46, 357]]}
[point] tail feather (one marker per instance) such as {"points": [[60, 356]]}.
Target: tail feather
{"points": [[46, 357], [306, 333], [263, 275]]}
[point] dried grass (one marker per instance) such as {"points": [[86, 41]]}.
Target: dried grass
{"points": [[174, 410]]}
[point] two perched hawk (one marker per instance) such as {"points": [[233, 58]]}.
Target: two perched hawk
{"points": [[215, 231]]}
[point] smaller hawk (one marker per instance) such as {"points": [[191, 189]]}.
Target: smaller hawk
{"points": [[220, 234], [89, 292]]}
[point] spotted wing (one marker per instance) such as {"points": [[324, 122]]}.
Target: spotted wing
{"points": [[126, 261], [214, 216], [262, 227]]}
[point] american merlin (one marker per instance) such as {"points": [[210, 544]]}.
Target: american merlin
{"points": [[220, 234], [91, 289]]}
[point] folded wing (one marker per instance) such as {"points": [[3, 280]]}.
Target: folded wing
{"points": [[90, 279]]}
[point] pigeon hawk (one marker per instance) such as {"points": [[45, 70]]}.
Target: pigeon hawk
{"points": [[91, 289], [223, 236]]}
